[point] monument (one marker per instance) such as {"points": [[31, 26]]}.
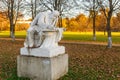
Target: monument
{"points": [[42, 58]]}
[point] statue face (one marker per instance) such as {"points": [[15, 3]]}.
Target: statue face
{"points": [[55, 14]]}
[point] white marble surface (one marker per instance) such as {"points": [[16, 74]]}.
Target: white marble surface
{"points": [[43, 36], [39, 68], [43, 52], [43, 20]]}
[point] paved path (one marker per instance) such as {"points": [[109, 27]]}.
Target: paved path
{"points": [[88, 42], [71, 42]]}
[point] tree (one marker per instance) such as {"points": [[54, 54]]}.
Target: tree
{"points": [[12, 7], [67, 23], [93, 11], [3, 21], [32, 7], [100, 22], [82, 21], [112, 6], [118, 16], [61, 5]]}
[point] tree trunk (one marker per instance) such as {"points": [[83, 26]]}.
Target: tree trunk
{"points": [[94, 20], [104, 32], [109, 33], [11, 19], [12, 31], [35, 8], [56, 5], [94, 33], [32, 9]]}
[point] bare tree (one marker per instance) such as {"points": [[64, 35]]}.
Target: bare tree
{"points": [[32, 7], [112, 6], [92, 7], [61, 5], [12, 7]]}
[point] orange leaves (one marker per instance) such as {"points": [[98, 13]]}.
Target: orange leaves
{"points": [[84, 23]]}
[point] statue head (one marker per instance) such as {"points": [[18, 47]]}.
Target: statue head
{"points": [[55, 14]]}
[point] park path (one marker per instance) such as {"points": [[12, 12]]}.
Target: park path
{"points": [[72, 42], [87, 42]]}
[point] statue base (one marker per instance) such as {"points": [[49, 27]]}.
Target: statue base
{"points": [[43, 52], [42, 68]]}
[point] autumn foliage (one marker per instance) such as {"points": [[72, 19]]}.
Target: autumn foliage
{"points": [[5, 24], [79, 23], [84, 23]]}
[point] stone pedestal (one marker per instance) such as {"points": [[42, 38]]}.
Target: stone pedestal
{"points": [[43, 52], [42, 68]]}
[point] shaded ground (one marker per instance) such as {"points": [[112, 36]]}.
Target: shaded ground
{"points": [[86, 62], [92, 62]]}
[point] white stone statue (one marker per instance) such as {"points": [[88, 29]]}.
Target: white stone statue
{"points": [[42, 22], [43, 36]]}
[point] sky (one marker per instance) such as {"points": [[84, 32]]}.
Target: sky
{"points": [[73, 12]]}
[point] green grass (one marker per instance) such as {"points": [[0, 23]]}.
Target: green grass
{"points": [[87, 36], [79, 36], [18, 34]]}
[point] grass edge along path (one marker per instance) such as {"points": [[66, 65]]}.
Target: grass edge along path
{"points": [[74, 36]]}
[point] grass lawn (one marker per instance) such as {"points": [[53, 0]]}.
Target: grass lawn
{"points": [[86, 62], [87, 36], [79, 36], [18, 34]]}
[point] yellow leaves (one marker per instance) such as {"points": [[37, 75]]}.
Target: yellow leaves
{"points": [[84, 23]]}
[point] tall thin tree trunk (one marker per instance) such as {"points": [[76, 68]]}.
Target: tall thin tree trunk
{"points": [[94, 20], [32, 10], [35, 8], [94, 31], [12, 22], [12, 31], [56, 5], [104, 31], [109, 33]]}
